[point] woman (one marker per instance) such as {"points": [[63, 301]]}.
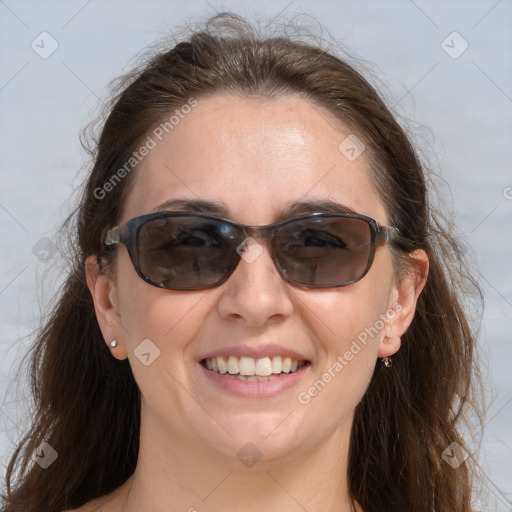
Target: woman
{"points": [[264, 313]]}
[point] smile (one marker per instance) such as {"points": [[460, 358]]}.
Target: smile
{"points": [[251, 369]]}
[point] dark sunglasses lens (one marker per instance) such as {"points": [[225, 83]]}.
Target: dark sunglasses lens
{"points": [[186, 253], [324, 251]]}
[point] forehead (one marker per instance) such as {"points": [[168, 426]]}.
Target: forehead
{"points": [[254, 157]]}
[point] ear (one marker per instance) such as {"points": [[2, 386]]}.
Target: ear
{"points": [[404, 297], [104, 296]]}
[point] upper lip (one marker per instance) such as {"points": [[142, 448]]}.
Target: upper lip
{"points": [[256, 352]]}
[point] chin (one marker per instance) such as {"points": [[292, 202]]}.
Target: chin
{"points": [[266, 438]]}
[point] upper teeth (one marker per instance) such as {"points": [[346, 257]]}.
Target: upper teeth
{"points": [[263, 367]]}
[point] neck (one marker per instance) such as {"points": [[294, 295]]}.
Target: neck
{"points": [[186, 476]]}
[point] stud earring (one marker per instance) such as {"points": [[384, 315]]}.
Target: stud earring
{"points": [[113, 343], [387, 339], [387, 362]]}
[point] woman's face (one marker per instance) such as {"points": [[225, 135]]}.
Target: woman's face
{"points": [[256, 158]]}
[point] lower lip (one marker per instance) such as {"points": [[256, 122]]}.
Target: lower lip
{"points": [[262, 389]]}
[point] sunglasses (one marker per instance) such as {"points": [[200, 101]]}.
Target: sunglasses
{"points": [[194, 251]]}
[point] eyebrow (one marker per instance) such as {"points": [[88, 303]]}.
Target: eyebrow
{"points": [[221, 209], [194, 205], [316, 205]]}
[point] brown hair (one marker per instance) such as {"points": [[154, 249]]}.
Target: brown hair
{"points": [[87, 402]]}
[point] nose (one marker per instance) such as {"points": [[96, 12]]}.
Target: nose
{"points": [[255, 294]]}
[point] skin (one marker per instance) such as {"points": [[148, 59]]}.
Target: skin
{"points": [[256, 156]]}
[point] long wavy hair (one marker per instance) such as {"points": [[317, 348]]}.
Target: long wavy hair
{"points": [[87, 403]]}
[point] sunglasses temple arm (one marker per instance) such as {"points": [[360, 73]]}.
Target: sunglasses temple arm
{"points": [[113, 236], [388, 234]]}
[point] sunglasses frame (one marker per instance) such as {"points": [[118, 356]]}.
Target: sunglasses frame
{"points": [[128, 233]]}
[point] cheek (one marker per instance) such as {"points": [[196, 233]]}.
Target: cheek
{"points": [[159, 326], [345, 362], [168, 319], [354, 312], [347, 326], [160, 314]]}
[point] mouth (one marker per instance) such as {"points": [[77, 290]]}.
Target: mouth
{"points": [[251, 369]]}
